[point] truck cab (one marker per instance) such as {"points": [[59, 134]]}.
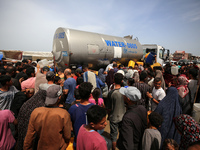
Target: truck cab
{"points": [[162, 54]]}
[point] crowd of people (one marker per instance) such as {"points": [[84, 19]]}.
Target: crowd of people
{"points": [[148, 108]]}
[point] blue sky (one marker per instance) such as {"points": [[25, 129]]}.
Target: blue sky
{"points": [[29, 25]]}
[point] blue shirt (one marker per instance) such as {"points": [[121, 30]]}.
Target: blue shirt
{"points": [[78, 117], [70, 84]]}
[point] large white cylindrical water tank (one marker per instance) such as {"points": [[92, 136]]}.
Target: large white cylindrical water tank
{"points": [[74, 47]]}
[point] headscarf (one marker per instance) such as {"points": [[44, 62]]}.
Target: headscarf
{"points": [[130, 72], [136, 76], [189, 129], [159, 75], [110, 77], [102, 76], [169, 107], [182, 85], [35, 101]]}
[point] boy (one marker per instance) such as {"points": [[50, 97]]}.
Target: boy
{"points": [[152, 137], [7, 92], [77, 111], [57, 80], [157, 94], [88, 138]]}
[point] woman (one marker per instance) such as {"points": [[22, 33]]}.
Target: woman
{"points": [[101, 75], [169, 107], [189, 130], [184, 95], [110, 77]]}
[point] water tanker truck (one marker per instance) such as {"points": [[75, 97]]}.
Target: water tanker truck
{"points": [[74, 47]]}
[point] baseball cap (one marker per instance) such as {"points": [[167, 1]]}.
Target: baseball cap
{"points": [[50, 74], [45, 68], [131, 92], [53, 92], [121, 71]]}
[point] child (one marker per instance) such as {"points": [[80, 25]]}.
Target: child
{"points": [[170, 144], [152, 137], [95, 98], [77, 97], [88, 138], [57, 80]]}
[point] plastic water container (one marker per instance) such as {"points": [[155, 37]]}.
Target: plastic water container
{"points": [[174, 70], [155, 65], [140, 63], [131, 63], [43, 62]]}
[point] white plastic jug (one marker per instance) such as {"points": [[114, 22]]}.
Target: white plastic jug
{"points": [[174, 70], [43, 62]]}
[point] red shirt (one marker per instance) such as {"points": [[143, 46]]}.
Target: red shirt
{"points": [[90, 140]]}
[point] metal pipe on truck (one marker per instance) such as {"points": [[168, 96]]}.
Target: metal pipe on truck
{"points": [[74, 47]]}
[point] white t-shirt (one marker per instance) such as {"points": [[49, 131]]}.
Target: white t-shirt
{"points": [[157, 94], [151, 83]]}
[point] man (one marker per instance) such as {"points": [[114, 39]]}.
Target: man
{"points": [[89, 76], [41, 77], [50, 76], [143, 88], [7, 92], [51, 124], [69, 86], [37, 100], [157, 94], [18, 66], [110, 65], [30, 82], [116, 107], [10, 70], [22, 75], [78, 111], [62, 76], [134, 121], [115, 68], [78, 72]]}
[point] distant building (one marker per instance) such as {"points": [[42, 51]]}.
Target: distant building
{"points": [[19, 55]]}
